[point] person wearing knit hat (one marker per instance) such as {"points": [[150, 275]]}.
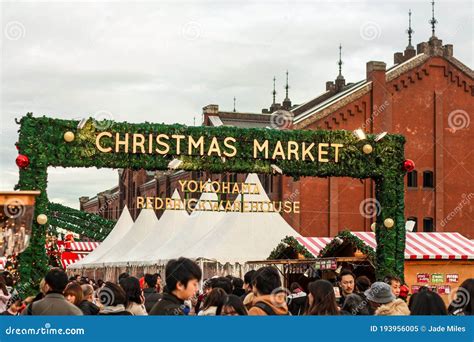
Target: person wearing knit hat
{"points": [[396, 308], [379, 294]]}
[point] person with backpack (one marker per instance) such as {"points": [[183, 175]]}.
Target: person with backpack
{"points": [[270, 297]]}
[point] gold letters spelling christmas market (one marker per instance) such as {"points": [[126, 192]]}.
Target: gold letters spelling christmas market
{"points": [[211, 146]]}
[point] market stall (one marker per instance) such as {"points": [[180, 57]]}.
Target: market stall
{"points": [[72, 252], [440, 261]]}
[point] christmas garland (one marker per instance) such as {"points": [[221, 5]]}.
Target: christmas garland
{"points": [[91, 225], [289, 248], [42, 143], [346, 236]]}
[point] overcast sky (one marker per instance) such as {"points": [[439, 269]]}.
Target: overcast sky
{"points": [[163, 61]]}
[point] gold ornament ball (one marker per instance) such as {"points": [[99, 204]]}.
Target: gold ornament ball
{"points": [[42, 219], [68, 136], [367, 149], [388, 223], [373, 226]]}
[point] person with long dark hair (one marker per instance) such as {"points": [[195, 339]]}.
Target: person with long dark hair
{"points": [[213, 303], [321, 299], [113, 299], [134, 294], [233, 306], [463, 303], [427, 302]]}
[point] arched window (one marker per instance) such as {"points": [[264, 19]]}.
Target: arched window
{"points": [[428, 180], [412, 179], [428, 225]]}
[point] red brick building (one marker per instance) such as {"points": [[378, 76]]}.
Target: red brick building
{"points": [[427, 96]]}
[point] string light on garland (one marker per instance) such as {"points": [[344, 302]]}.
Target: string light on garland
{"points": [[69, 136], [380, 136], [408, 165], [82, 123], [276, 169], [367, 148], [389, 223], [360, 134], [174, 164], [22, 161], [42, 219]]}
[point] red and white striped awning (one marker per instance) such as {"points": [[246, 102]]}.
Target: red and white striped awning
{"points": [[418, 245], [314, 244], [67, 262], [82, 246]]}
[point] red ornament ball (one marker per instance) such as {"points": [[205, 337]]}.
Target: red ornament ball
{"points": [[22, 161], [408, 165]]}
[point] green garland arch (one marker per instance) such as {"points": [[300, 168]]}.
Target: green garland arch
{"points": [[91, 225], [41, 139], [346, 235], [288, 246]]}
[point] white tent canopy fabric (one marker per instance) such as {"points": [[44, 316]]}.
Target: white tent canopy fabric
{"points": [[144, 223], [166, 229], [123, 225], [192, 230], [243, 236], [232, 237]]}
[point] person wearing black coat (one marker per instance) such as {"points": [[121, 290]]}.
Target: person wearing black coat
{"points": [[297, 299], [87, 306], [169, 305], [182, 281], [149, 291]]}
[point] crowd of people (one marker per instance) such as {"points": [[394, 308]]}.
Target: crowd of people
{"points": [[259, 293]]}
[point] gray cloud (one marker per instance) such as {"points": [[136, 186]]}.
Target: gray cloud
{"points": [[163, 61]]}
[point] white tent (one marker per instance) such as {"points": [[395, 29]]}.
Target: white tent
{"points": [[192, 230], [243, 236], [145, 222], [171, 220], [123, 225]]}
